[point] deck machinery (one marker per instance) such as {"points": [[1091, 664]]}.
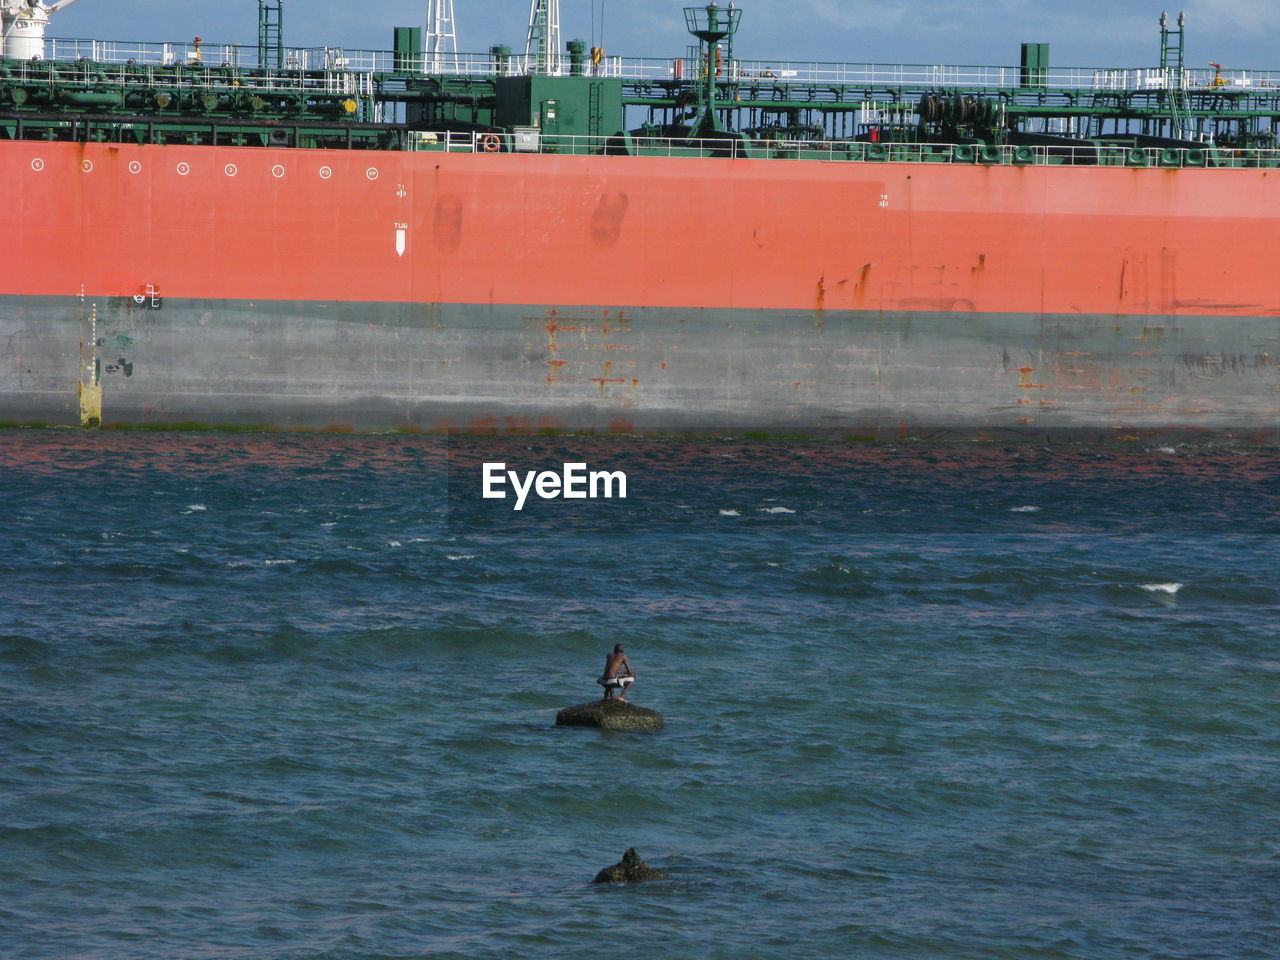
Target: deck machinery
{"points": [[706, 102]]}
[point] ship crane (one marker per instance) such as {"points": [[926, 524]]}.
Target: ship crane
{"points": [[22, 25]]}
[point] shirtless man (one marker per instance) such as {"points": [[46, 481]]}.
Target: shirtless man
{"points": [[617, 675]]}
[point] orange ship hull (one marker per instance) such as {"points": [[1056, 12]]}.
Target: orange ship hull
{"points": [[456, 290]]}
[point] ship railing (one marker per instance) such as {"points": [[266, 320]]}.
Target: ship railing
{"points": [[1155, 78], [198, 76], [169, 54], [529, 140], [246, 56]]}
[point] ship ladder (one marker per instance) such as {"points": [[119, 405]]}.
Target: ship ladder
{"points": [[593, 109]]}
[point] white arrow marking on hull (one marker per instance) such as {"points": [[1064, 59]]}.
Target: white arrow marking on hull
{"points": [[399, 243]]}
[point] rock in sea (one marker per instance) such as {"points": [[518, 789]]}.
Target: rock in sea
{"points": [[631, 870], [609, 715]]}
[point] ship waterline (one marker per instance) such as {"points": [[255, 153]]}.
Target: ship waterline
{"points": [[479, 368], [438, 291]]}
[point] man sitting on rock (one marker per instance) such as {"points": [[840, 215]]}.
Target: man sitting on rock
{"points": [[618, 675]]}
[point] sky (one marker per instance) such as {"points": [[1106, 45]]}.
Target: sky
{"points": [[1089, 33]]}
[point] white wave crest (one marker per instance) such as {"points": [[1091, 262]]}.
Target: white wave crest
{"points": [[730, 513], [1027, 509], [461, 556], [776, 510], [1169, 588], [195, 508]]}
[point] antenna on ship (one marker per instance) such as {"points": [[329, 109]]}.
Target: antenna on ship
{"points": [[543, 43], [22, 24], [441, 47]]}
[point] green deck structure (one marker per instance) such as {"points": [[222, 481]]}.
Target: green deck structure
{"points": [[711, 103]]}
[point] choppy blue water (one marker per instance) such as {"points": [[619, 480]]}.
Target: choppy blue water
{"points": [[269, 697]]}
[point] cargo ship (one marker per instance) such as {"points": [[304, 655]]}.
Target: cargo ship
{"points": [[563, 240]]}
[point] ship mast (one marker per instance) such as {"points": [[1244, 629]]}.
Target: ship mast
{"points": [[711, 24], [271, 34], [542, 47], [22, 25], [1172, 64], [441, 42]]}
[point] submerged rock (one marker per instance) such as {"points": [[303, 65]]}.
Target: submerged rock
{"points": [[630, 870], [609, 715]]}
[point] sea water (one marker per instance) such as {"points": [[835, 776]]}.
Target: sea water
{"points": [[268, 696]]}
